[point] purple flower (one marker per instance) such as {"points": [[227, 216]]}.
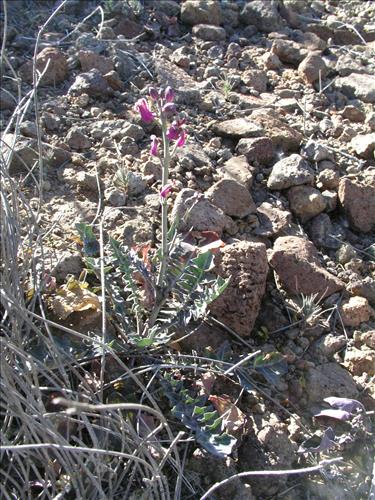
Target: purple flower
{"points": [[164, 192], [173, 132], [154, 145], [153, 93], [182, 139], [146, 114], [169, 109], [169, 94]]}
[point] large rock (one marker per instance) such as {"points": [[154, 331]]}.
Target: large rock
{"points": [[288, 52], [328, 380], [91, 83], [297, 265], [255, 79], [364, 288], [232, 197], [209, 32], [262, 14], [273, 221], [246, 264], [90, 60], [238, 169], [290, 171], [170, 74], [311, 67], [364, 145], [357, 85], [201, 12], [280, 133], [238, 127], [355, 311], [195, 211], [21, 157], [358, 201], [57, 70], [258, 149], [360, 361], [306, 202]]}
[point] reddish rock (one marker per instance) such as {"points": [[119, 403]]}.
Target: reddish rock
{"points": [[273, 221], [246, 264], [355, 311], [57, 70], [297, 265], [238, 169], [91, 60], [358, 201], [279, 132], [258, 149], [128, 28], [311, 67], [359, 361], [364, 145], [195, 211], [232, 197]]}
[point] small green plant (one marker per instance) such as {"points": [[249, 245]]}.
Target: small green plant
{"points": [[155, 293]]}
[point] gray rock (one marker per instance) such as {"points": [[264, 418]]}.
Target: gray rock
{"points": [[306, 202], [238, 127], [356, 85], [328, 380], [28, 129], [238, 169], [68, 264], [24, 156], [115, 197], [201, 11], [136, 184], [134, 131], [246, 264], [364, 145], [91, 83], [263, 15], [322, 232], [290, 171], [288, 52], [232, 197], [7, 101], [209, 32], [315, 151], [56, 156], [195, 211], [76, 139], [255, 79]]}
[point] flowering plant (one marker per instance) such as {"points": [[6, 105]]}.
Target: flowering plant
{"points": [[173, 137], [157, 292]]}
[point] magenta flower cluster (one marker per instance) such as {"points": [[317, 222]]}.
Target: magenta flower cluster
{"points": [[163, 103]]}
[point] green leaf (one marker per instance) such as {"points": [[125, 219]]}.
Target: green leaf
{"points": [[91, 247]]}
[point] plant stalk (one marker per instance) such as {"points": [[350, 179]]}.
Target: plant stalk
{"points": [[164, 205]]}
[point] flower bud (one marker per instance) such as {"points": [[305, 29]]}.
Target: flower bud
{"points": [[153, 93], [169, 109], [169, 94], [154, 145]]}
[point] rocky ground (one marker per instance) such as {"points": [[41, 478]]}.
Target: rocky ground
{"points": [[279, 97]]}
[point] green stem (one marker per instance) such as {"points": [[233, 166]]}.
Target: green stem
{"points": [[164, 205]]}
